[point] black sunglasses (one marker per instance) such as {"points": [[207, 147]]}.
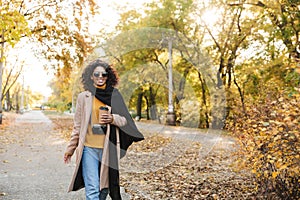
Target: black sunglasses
{"points": [[103, 74]]}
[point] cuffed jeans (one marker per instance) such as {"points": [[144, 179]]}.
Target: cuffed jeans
{"points": [[91, 158]]}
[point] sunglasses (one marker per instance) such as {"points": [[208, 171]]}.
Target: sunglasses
{"points": [[103, 74]]}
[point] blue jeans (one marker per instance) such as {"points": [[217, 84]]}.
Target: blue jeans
{"points": [[91, 158]]}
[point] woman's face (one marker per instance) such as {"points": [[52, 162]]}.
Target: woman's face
{"points": [[99, 76]]}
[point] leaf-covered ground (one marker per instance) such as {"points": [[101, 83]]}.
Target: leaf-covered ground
{"points": [[161, 168], [189, 176], [7, 120]]}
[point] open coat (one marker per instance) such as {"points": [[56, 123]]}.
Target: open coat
{"points": [[81, 121]]}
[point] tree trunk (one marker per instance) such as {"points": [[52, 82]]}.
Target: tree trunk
{"points": [[147, 108], [204, 123], [8, 101], [17, 102], [153, 110], [182, 82], [241, 94], [1, 72], [139, 106]]}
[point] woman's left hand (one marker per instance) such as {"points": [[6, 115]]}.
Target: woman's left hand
{"points": [[106, 119]]}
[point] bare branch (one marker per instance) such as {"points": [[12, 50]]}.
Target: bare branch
{"points": [[15, 80], [159, 62], [7, 86], [39, 7], [21, 6]]}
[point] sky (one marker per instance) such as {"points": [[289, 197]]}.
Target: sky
{"points": [[110, 13], [35, 77]]}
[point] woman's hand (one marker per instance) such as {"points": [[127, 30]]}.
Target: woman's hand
{"points": [[106, 119], [67, 158]]}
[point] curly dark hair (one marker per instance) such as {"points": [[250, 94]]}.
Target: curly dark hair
{"points": [[88, 84]]}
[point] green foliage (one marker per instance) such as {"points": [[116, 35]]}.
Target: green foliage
{"points": [[292, 80]]}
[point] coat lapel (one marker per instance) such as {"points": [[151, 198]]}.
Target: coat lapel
{"points": [[86, 115], [88, 103]]}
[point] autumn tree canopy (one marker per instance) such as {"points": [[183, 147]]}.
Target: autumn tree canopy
{"points": [[58, 28]]}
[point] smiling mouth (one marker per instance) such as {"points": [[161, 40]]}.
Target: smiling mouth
{"points": [[100, 81]]}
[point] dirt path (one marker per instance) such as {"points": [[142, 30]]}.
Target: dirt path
{"points": [[31, 161]]}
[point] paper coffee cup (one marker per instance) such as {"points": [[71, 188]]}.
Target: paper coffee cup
{"points": [[103, 110]]}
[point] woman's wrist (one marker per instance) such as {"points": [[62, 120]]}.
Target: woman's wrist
{"points": [[112, 119]]}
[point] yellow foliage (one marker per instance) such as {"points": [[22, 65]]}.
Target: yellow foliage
{"points": [[275, 174], [270, 146]]}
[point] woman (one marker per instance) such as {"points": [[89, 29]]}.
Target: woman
{"points": [[100, 140]]}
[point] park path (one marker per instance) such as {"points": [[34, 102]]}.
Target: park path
{"points": [[31, 156], [209, 138], [32, 165]]}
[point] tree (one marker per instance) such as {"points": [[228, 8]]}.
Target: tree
{"points": [[59, 27], [285, 17], [11, 76], [171, 19]]}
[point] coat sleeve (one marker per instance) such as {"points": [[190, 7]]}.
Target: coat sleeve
{"points": [[118, 120], [73, 143]]}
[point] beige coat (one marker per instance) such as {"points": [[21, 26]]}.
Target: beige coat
{"points": [[76, 143]]}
